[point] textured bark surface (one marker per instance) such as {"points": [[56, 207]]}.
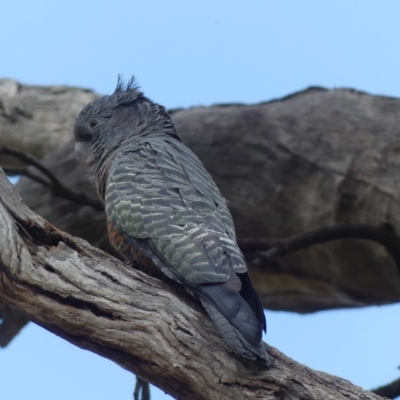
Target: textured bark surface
{"points": [[38, 119], [160, 333], [314, 159]]}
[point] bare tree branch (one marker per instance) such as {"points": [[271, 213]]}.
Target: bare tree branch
{"points": [[286, 166], [54, 184], [391, 390], [38, 119], [383, 234], [11, 170], [265, 248], [31, 160], [147, 326], [255, 245], [295, 191]]}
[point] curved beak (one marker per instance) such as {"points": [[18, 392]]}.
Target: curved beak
{"points": [[83, 153]]}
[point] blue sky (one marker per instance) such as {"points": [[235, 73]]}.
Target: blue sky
{"points": [[190, 53]]}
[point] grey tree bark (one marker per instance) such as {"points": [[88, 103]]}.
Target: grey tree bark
{"points": [[314, 159], [160, 333]]}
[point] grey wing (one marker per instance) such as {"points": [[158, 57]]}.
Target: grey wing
{"points": [[200, 180], [162, 193]]}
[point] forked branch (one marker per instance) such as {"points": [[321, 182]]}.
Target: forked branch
{"points": [[147, 326]]}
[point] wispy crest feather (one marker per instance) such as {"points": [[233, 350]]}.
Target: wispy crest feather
{"points": [[125, 87]]}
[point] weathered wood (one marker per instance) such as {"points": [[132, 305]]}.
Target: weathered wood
{"points": [[313, 159], [145, 325], [38, 119]]}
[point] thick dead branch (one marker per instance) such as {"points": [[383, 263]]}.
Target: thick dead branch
{"points": [[391, 390], [147, 326], [38, 119], [316, 158]]}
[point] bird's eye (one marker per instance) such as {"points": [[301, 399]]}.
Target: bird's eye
{"points": [[93, 123]]}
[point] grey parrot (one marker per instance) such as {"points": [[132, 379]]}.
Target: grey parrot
{"points": [[165, 211]]}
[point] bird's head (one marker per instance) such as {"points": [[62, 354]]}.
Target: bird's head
{"points": [[111, 122]]}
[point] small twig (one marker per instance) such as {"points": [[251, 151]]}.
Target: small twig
{"points": [[14, 171], [391, 390], [53, 183], [253, 245], [269, 249], [31, 160], [383, 234]]}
